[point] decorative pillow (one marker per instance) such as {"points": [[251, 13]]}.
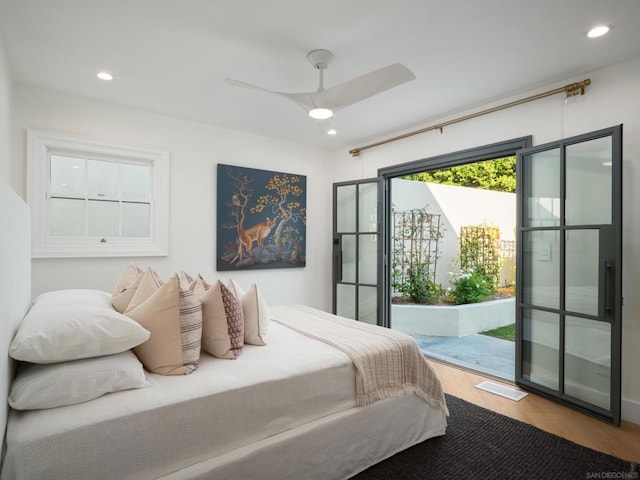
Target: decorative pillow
{"points": [[174, 318], [67, 383], [199, 286], [256, 316], [233, 286], [130, 273], [222, 322], [74, 324], [121, 300], [185, 280]]}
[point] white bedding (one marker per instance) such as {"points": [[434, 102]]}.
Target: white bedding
{"points": [[137, 433]]}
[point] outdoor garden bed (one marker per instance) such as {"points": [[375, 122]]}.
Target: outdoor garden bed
{"points": [[452, 320]]}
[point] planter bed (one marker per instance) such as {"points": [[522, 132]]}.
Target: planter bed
{"points": [[453, 320]]}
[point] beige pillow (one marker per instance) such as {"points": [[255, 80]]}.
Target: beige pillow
{"points": [[233, 286], [222, 322], [185, 280], [256, 316], [130, 273], [121, 300], [199, 286], [174, 318]]}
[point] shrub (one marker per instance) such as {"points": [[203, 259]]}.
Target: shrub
{"points": [[472, 286], [419, 287]]}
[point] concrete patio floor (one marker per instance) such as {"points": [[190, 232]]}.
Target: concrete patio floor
{"points": [[489, 355]]}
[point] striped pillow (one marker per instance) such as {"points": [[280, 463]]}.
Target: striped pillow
{"points": [[174, 318]]}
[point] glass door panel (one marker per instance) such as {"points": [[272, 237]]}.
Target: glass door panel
{"points": [[345, 300], [541, 172], [540, 339], [348, 259], [368, 249], [368, 304], [581, 277], [588, 183], [345, 212], [541, 268], [587, 361]]}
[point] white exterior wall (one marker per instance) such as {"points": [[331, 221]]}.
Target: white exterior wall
{"points": [[195, 150], [612, 98]]}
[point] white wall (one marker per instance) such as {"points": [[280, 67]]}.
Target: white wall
{"points": [[611, 99], [5, 115], [195, 150]]}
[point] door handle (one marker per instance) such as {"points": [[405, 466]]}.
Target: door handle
{"points": [[604, 305], [337, 259]]}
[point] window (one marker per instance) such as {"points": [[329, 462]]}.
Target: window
{"points": [[92, 199]]}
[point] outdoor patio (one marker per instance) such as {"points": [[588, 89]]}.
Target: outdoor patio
{"points": [[489, 355]]}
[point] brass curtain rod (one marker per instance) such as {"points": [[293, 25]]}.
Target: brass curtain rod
{"points": [[570, 90]]}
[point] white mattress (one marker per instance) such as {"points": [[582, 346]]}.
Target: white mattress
{"points": [[150, 432]]}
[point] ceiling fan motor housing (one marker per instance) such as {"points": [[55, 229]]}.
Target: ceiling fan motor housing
{"points": [[320, 58]]}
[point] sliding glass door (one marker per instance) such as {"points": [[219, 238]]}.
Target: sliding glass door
{"points": [[569, 273]]}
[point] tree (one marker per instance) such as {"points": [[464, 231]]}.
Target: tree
{"points": [[498, 175], [284, 205]]}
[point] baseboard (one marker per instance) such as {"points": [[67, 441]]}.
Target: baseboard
{"points": [[631, 411]]}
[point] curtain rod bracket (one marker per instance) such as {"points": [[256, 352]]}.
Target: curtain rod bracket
{"points": [[571, 90]]}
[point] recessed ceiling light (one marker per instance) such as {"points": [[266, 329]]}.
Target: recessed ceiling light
{"points": [[598, 31], [331, 132], [104, 76]]}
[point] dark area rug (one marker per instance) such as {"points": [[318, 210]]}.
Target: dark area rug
{"points": [[483, 444]]}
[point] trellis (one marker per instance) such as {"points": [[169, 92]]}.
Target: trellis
{"points": [[416, 238], [480, 249]]}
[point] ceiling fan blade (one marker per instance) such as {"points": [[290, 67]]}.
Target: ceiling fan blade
{"points": [[302, 99], [363, 87]]}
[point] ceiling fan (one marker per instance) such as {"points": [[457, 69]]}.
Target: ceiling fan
{"points": [[322, 103]]}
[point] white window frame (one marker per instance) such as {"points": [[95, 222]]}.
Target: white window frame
{"points": [[39, 144]]}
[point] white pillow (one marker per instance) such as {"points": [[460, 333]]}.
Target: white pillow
{"points": [[76, 296], [256, 316], [49, 386], [69, 326]]}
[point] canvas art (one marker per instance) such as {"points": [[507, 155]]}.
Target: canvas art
{"points": [[261, 219]]}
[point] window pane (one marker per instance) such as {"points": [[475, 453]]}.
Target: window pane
{"points": [[136, 181], [102, 178], [136, 219], [67, 175], [589, 180], [66, 217], [102, 219]]}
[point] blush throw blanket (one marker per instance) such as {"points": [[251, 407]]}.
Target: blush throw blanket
{"points": [[387, 362]]}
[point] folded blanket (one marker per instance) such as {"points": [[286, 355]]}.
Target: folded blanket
{"points": [[388, 363]]}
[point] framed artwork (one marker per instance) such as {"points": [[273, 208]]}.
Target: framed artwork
{"points": [[261, 219]]}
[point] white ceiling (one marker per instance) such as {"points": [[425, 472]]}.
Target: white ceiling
{"points": [[172, 56]]}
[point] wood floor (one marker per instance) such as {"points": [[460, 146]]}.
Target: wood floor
{"points": [[622, 441]]}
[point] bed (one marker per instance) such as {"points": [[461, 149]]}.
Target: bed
{"points": [[298, 407]]}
